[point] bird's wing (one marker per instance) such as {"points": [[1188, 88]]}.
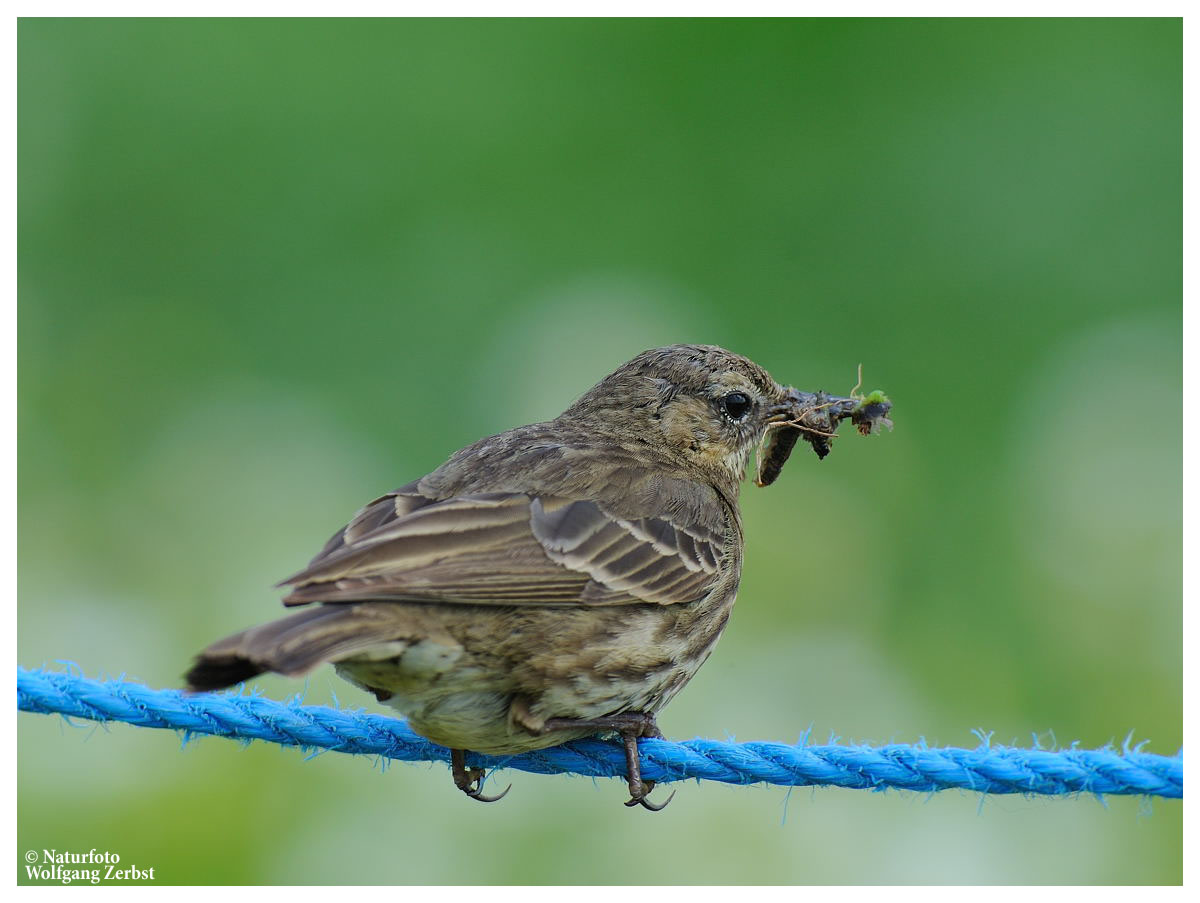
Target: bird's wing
{"points": [[503, 548]]}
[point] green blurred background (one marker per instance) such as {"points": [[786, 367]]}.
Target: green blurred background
{"points": [[269, 269]]}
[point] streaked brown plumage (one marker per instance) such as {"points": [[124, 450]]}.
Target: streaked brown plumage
{"points": [[579, 570]]}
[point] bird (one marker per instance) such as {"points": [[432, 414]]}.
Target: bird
{"points": [[556, 581]]}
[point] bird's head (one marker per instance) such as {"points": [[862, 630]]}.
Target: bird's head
{"points": [[700, 405]]}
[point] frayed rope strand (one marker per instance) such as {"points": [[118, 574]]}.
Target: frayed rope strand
{"points": [[987, 769]]}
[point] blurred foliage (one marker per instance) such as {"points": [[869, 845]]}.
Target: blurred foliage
{"points": [[269, 269]]}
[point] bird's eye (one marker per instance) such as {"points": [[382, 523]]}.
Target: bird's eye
{"points": [[737, 405]]}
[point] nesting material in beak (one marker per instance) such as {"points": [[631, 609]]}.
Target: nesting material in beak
{"points": [[815, 417]]}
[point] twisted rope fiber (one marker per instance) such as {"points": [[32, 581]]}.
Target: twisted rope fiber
{"points": [[987, 769]]}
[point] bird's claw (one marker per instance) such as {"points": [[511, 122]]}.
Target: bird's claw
{"points": [[477, 793], [470, 780], [639, 799], [630, 726]]}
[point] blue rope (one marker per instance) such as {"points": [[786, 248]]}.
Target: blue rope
{"points": [[987, 769]]}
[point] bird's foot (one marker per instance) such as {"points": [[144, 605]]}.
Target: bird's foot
{"points": [[470, 780], [630, 726]]}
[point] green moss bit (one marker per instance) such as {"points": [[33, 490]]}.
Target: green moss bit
{"points": [[876, 397]]}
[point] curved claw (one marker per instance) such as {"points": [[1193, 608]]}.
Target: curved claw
{"points": [[646, 804], [470, 780], [640, 800], [477, 794]]}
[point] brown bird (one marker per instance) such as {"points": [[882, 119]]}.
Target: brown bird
{"points": [[556, 581]]}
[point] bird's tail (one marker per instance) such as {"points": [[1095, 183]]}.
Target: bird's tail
{"points": [[292, 646]]}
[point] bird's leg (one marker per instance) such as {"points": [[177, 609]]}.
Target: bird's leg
{"points": [[470, 780], [630, 725]]}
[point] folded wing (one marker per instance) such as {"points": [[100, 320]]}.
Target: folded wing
{"points": [[510, 549]]}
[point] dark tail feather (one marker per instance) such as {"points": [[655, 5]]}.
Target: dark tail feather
{"points": [[217, 673], [294, 645]]}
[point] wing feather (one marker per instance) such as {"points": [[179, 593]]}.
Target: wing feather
{"points": [[509, 549]]}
